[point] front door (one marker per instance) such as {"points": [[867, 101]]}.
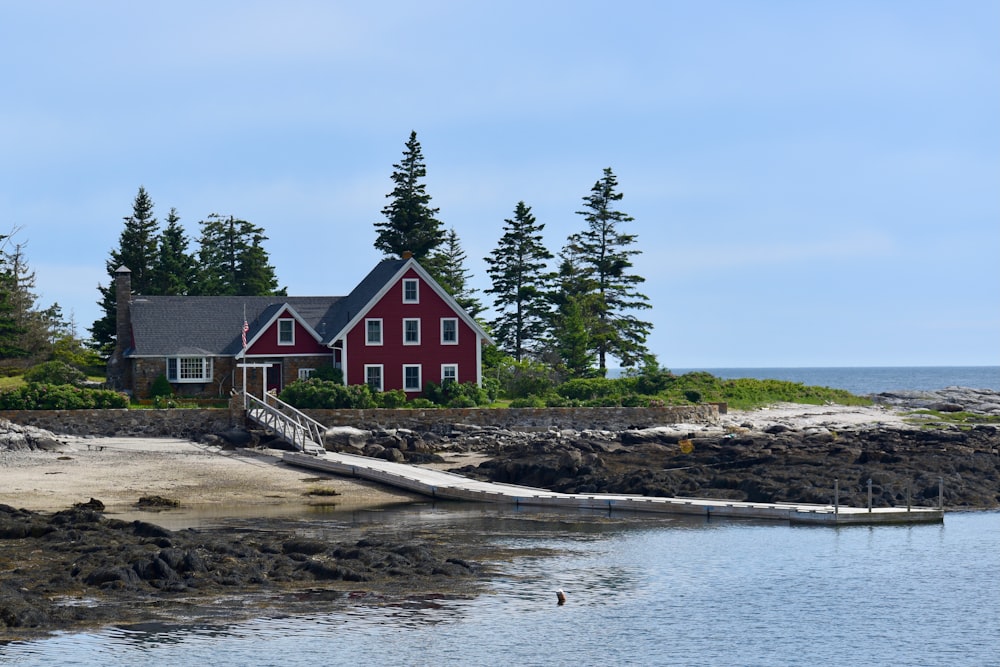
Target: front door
{"points": [[274, 378]]}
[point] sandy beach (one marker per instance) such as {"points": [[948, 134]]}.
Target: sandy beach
{"points": [[202, 478]]}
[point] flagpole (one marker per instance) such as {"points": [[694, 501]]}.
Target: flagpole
{"points": [[244, 329]]}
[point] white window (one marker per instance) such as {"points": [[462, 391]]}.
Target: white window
{"points": [[411, 290], [373, 376], [189, 369], [411, 378], [286, 331], [411, 331], [306, 373], [373, 332], [449, 373], [449, 331]]}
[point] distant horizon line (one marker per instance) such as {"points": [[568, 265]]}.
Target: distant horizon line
{"points": [[804, 367]]}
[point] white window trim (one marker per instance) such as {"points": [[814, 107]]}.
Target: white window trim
{"points": [[444, 366], [405, 321], [174, 374], [381, 335], [306, 373], [416, 289], [449, 342], [381, 376], [420, 379], [280, 321]]}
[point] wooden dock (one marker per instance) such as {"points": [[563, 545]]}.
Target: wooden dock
{"points": [[449, 486]]}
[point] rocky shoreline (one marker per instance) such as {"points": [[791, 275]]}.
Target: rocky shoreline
{"points": [[790, 453], [80, 567]]}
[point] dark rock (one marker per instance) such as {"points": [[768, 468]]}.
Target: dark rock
{"points": [[143, 529], [945, 407], [237, 437], [92, 504], [157, 502], [303, 546]]}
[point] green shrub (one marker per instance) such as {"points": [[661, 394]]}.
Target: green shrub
{"points": [[421, 403], [329, 373], [54, 372], [589, 389], [520, 379], [60, 397], [557, 401], [635, 401], [395, 398], [693, 395], [453, 394], [528, 402], [161, 387], [461, 402]]}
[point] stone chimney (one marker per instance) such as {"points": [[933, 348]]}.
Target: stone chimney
{"points": [[118, 371]]}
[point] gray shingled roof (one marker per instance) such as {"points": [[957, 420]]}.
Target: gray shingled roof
{"points": [[364, 293], [211, 325]]}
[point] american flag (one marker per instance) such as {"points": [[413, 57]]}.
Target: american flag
{"points": [[246, 328]]}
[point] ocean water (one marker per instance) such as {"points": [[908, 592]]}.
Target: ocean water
{"points": [[640, 592], [871, 380]]}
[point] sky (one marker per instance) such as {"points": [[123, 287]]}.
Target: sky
{"points": [[812, 183]]}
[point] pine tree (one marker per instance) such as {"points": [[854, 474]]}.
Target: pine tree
{"points": [[409, 223], [136, 250], [11, 331], [601, 256], [521, 285], [37, 327], [233, 260], [174, 270], [447, 266]]}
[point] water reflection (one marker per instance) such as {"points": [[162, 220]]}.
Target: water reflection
{"points": [[640, 590]]}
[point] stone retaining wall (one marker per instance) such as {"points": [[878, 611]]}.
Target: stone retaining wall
{"points": [[185, 423], [193, 423], [520, 419]]}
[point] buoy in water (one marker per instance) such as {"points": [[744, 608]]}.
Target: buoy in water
{"points": [[561, 597]]}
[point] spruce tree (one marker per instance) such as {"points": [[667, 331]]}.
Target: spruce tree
{"points": [[447, 266], [11, 331], [136, 250], [233, 260], [37, 328], [174, 269], [410, 223], [601, 257], [521, 285]]}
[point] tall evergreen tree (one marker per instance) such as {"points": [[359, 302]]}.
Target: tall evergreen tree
{"points": [[601, 257], [136, 250], [521, 285], [447, 265], [573, 319], [409, 223], [233, 260], [174, 269], [37, 327], [11, 330]]}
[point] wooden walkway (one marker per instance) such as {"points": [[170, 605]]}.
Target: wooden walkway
{"points": [[449, 486]]}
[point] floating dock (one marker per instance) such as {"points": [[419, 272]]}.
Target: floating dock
{"points": [[449, 486]]}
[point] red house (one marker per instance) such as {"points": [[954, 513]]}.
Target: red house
{"points": [[398, 329]]}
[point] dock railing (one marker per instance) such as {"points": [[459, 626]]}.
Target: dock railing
{"points": [[287, 422]]}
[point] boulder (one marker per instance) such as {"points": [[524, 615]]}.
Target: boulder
{"points": [[340, 438]]}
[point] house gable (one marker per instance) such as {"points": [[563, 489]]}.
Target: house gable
{"points": [[286, 333], [412, 348]]}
